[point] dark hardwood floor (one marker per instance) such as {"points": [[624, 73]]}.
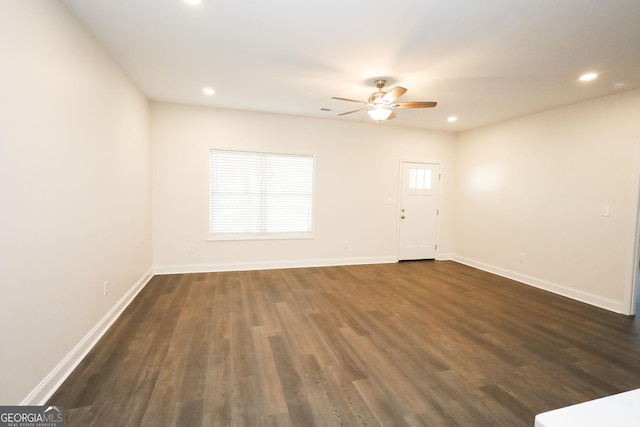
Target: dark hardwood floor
{"points": [[409, 344]]}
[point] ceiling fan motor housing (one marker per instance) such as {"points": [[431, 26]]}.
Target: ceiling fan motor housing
{"points": [[380, 83]]}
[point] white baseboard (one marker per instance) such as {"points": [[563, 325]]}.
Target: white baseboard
{"points": [[271, 265], [586, 297], [444, 257], [56, 377]]}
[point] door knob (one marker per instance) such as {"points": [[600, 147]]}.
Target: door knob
{"points": [[402, 217]]}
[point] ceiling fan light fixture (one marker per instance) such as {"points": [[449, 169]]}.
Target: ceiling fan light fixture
{"points": [[379, 113]]}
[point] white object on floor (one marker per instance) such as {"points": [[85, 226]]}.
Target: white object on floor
{"points": [[618, 410]]}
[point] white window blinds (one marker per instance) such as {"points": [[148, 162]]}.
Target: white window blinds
{"points": [[255, 194]]}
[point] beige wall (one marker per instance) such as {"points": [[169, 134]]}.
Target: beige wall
{"points": [[357, 172], [74, 189], [536, 186]]}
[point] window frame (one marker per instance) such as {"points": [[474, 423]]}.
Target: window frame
{"points": [[230, 236]]}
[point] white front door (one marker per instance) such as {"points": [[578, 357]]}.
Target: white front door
{"points": [[419, 211]]}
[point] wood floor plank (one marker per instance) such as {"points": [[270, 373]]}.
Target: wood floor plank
{"points": [[296, 331], [268, 373], [415, 343], [379, 404], [189, 414], [332, 402], [183, 374], [217, 408], [297, 402], [406, 396], [218, 396], [335, 351]]}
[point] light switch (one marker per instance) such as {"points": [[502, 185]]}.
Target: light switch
{"points": [[604, 211]]}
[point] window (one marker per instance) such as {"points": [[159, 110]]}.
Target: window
{"points": [[420, 179], [260, 194]]}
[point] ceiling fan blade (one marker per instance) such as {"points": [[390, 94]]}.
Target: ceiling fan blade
{"points": [[348, 100], [415, 105], [394, 94], [352, 111], [392, 116]]}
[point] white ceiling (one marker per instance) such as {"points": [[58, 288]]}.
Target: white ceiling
{"points": [[483, 61]]}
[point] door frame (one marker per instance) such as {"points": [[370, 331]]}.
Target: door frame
{"points": [[632, 291], [399, 204]]}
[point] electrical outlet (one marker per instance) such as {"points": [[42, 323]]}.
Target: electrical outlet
{"points": [[105, 288], [191, 249], [521, 257]]}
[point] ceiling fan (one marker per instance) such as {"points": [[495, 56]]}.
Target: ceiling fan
{"points": [[381, 104]]}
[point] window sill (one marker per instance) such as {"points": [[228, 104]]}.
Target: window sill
{"points": [[231, 237]]}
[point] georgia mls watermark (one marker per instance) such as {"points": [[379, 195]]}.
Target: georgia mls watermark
{"points": [[31, 416]]}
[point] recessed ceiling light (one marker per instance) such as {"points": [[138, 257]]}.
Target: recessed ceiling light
{"points": [[208, 91], [452, 119], [193, 2], [588, 77]]}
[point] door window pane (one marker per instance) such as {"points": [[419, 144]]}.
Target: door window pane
{"points": [[420, 179]]}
